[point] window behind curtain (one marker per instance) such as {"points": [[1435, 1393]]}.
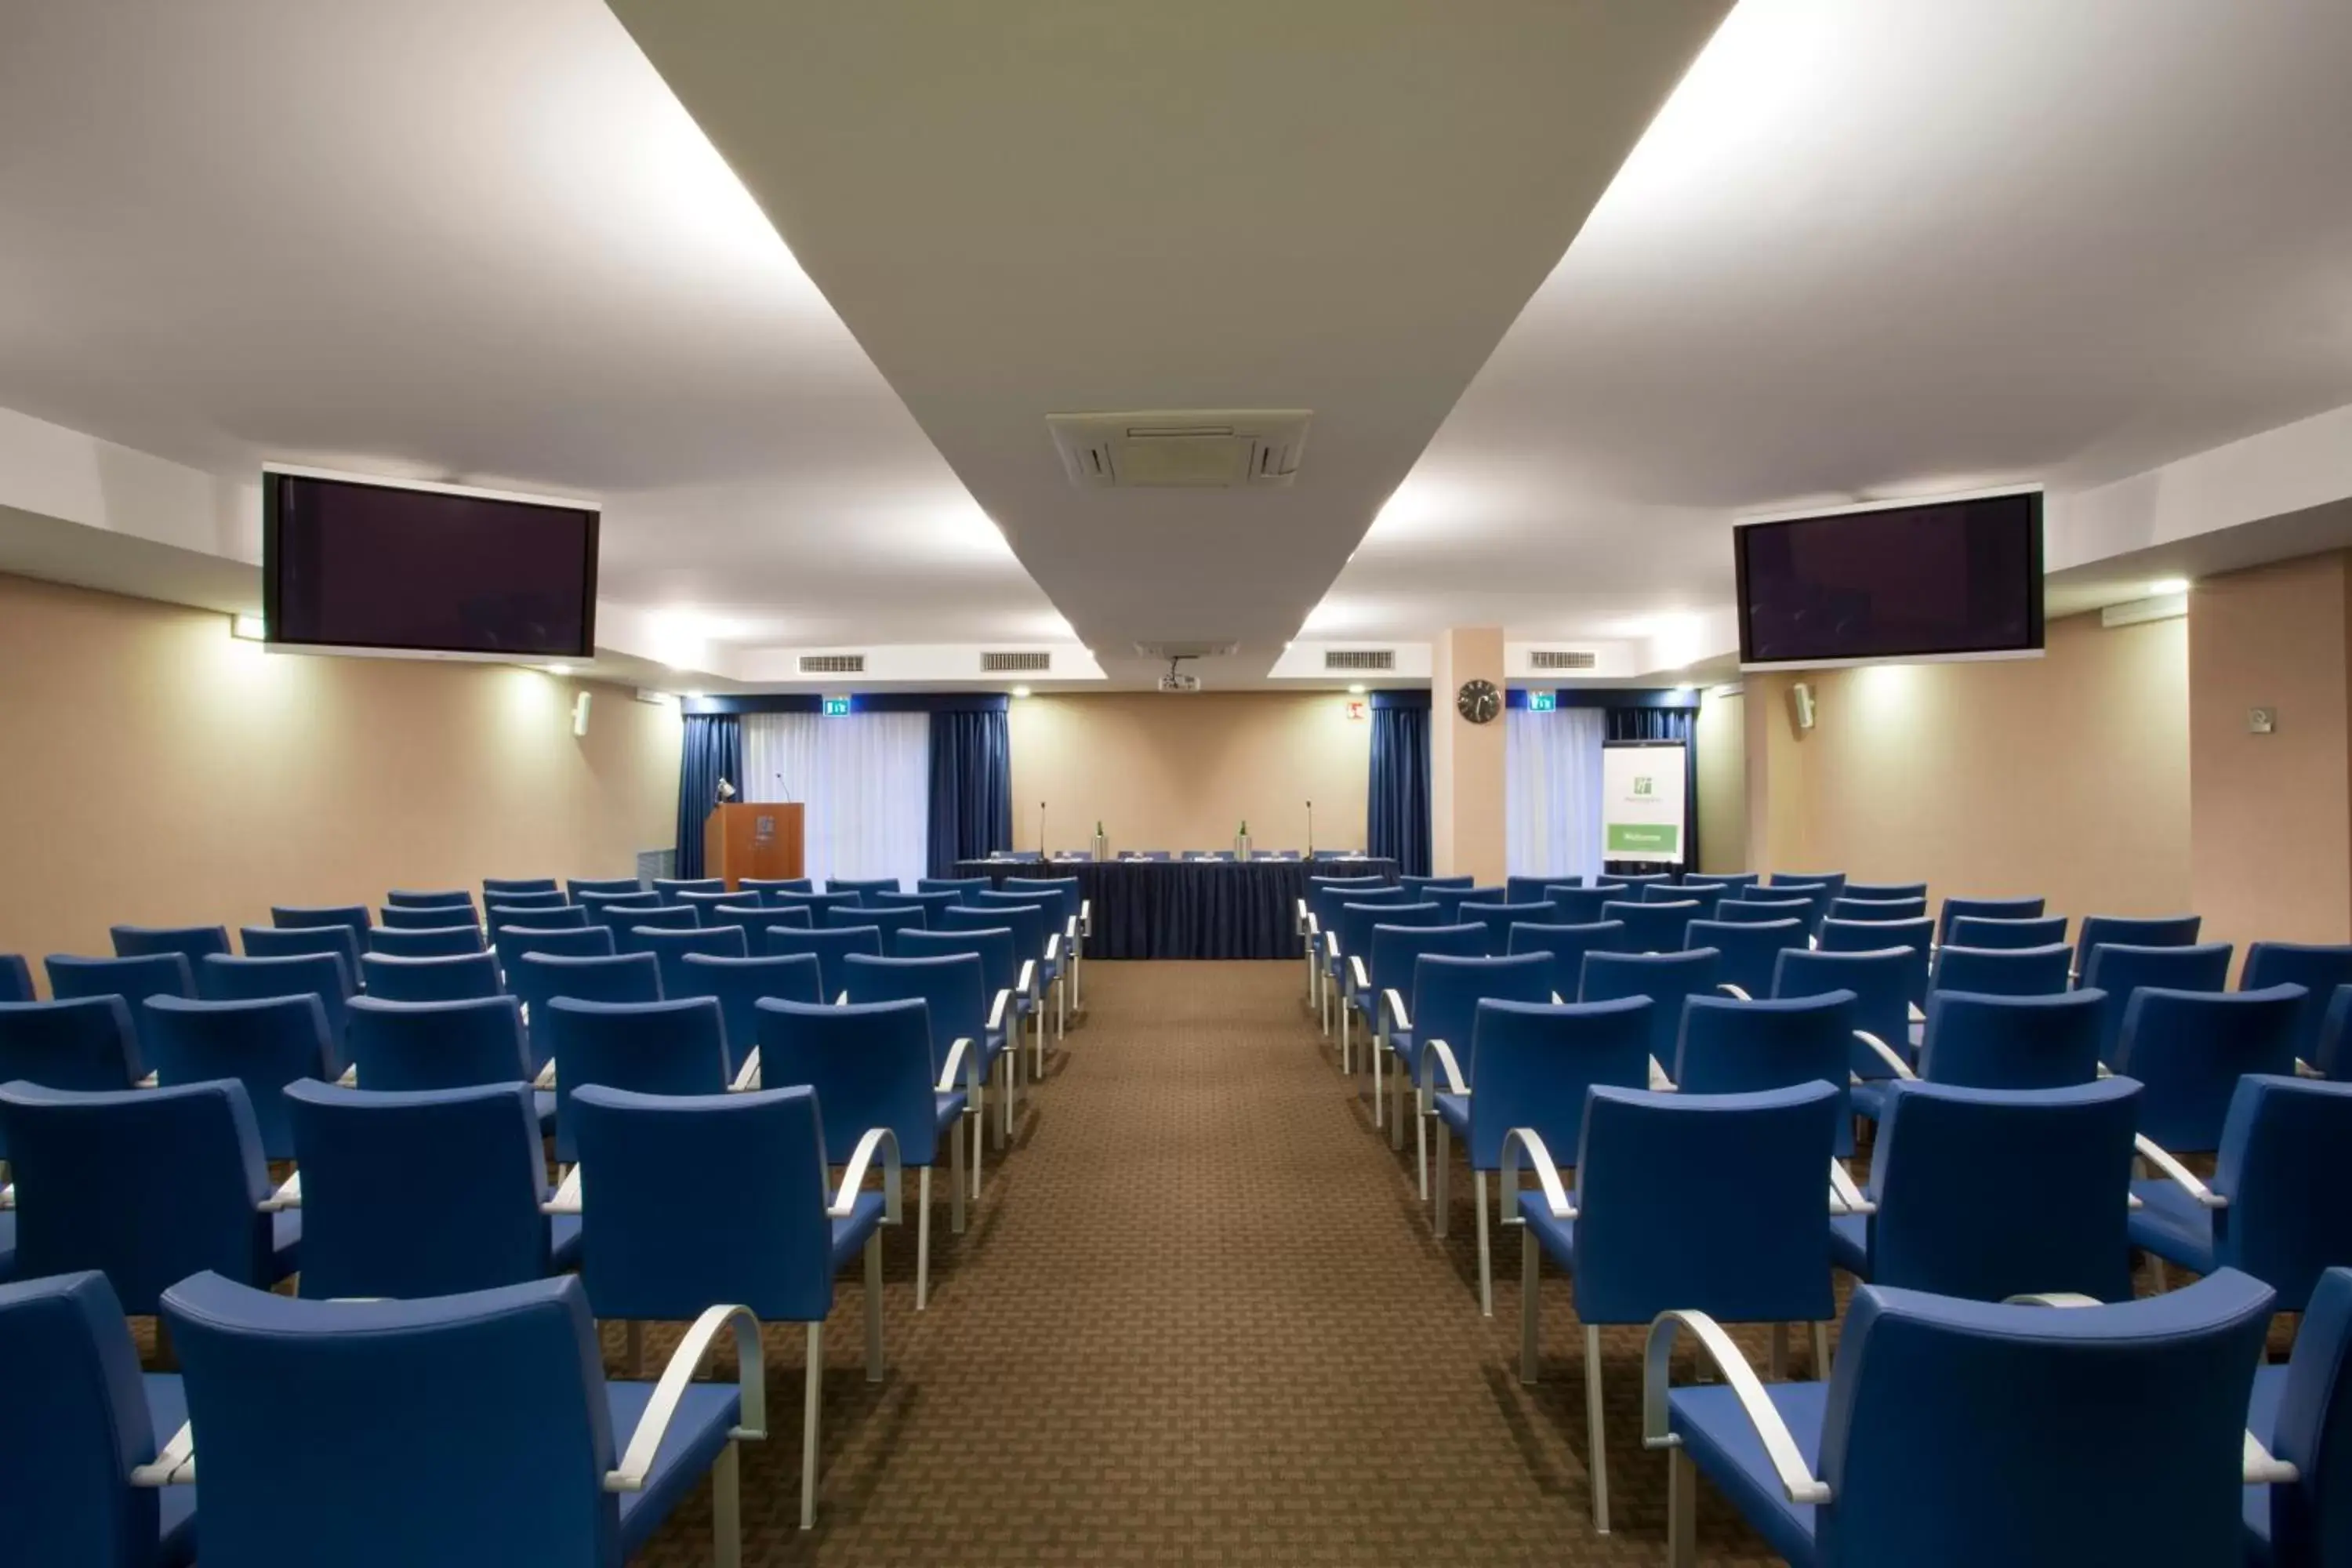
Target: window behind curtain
{"points": [[1552, 792], [864, 783]]}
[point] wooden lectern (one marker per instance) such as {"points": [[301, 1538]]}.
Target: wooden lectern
{"points": [[751, 839]]}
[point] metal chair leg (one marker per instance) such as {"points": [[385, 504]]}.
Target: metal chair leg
{"points": [[1682, 1509], [1778, 1367], [1593, 1430], [1420, 1148], [632, 1339], [1347, 1034], [1531, 1276], [811, 1402], [1380, 1086], [874, 1368], [922, 1238], [727, 1507], [1486, 1262], [955, 1173], [1820, 1353], [1444, 1185]]}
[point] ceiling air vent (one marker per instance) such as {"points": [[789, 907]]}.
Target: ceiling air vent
{"points": [[1562, 659], [1359, 658], [1192, 449], [1015, 663], [833, 664]]}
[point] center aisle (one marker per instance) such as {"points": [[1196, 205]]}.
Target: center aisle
{"points": [[1199, 1318]]}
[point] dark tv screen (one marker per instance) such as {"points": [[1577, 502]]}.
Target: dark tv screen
{"points": [[1943, 579], [352, 564]]}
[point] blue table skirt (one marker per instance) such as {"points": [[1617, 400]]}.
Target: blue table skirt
{"points": [[1189, 909]]}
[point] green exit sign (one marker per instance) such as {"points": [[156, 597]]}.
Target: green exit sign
{"points": [[836, 707], [1542, 701]]}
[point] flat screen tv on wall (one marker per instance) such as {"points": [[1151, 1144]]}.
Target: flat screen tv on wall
{"points": [[1918, 580], [382, 566]]}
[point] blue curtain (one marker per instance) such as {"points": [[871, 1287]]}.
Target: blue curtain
{"points": [[1665, 724], [1396, 810], [713, 750], [972, 787]]}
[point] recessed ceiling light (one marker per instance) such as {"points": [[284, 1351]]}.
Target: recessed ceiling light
{"points": [[1356, 689], [2168, 586], [1020, 691]]}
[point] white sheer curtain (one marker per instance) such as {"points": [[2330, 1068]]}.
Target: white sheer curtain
{"points": [[865, 781], [1552, 792]]}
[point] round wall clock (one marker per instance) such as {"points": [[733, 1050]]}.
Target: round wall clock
{"points": [[1478, 701]]}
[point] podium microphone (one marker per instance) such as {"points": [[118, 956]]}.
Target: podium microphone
{"points": [[1310, 831]]}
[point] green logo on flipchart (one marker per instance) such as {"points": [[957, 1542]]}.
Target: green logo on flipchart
{"points": [[1642, 784]]}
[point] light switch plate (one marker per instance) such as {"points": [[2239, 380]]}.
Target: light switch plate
{"points": [[2261, 720]]}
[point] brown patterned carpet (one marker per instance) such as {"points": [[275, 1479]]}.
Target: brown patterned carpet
{"points": [[1199, 1318]]}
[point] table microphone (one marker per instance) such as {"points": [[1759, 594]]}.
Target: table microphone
{"points": [[1041, 830], [1310, 831]]}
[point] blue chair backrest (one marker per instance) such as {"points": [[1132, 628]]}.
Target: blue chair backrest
{"points": [[289, 917], [829, 947], [703, 904], [75, 1424], [82, 1043], [651, 1248], [424, 941], [319, 974], [887, 919], [670, 947], [1667, 979], [740, 984], [758, 922], [1985, 931], [16, 978], [2001, 971], [1979, 1041], [1324, 903], [1814, 896], [815, 903], [133, 979], [2332, 1052], [1952, 909], [1883, 890], [1655, 928], [517, 1479], [870, 1064], [1526, 889], [1881, 983], [670, 887], [421, 916], [431, 979], [596, 903], [1567, 945], [1757, 909], [929, 903], [145, 1185], [1029, 923], [2310, 1520], [949, 884], [1832, 883], [1422, 884], [952, 987], [1732, 880], [2281, 1144], [272, 941], [1356, 920], [1446, 992], [517, 903], [676, 1046], [1877, 936], [1936, 1407], [2120, 971], [1745, 954], [561, 942], [1449, 901], [1064, 889], [195, 943], [2190, 1049], [530, 887], [1713, 1202], [264, 1044], [1626, 878], [859, 887], [539, 978], [1879, 908], [2318, 969], [419, 1194], [1579, 906], [409, 1047], [768, 887], [1990, 1193], [626, 918], [578, 885], [1498, 918], [551, 917], [2101, 931], [1391, 952], [431, 899], [999, 966], [1532, 1063], [1730, 1046]]}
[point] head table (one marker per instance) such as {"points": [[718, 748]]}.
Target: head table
{"points": [[1189, 909]]}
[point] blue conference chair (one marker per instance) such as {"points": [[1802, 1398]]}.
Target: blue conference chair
{"points": [[1449, 901], [1048, 939], [1653, 928], [1746, 955], [578, 886], [860, 888], [2282, 1142], [409, 1047], [431, 899], [1876, 936], [16, 978], [1830, 882], [2121, 971], [2302, 1414], [430, 942], [497, 890], [2319, 970], [1814, 896], [422, 917], [815, 903], [1952, 909], [559, 941], [1731, 1046], [829, 947], [670, 887], [541, 917], [1683, 1201], [1756, 910], [1526, 889], [145, 1185], [1321, 918], [263, 1043], [1850, 909], [1958, 1433], [1383, 966], [1705, 899], [272, 941], [1730, 879], [929, 903], [1530, 1064], [1626, 878], [1352, 941], [757, 922], [520, 903], [1077, 915], [2332, 1052], [953, 988], [887, 919], [195, 943], [539, 978], [296, 917], [1984, 931], [1881, 983], [455, 979], [871, 1066], [948, 884], [1879, 890], [1001, 974], [1421, 884], [1567, 945], [678, 1047], [79, 1429], [133, 979], [625, 919], [319, 974], [738, 985], [83, 1042], [768, 887], [1990, 1193], [1445, 995], [423, 1193], [597, 903], [2102, 930], [1977, 1041], [1580, 906], [1668, 979], [2001, 971], [1030, 925], [671, 948], [496, 1404], [2190, 1049], [705, 905]]}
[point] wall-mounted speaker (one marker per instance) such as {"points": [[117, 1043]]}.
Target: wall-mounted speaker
{"points": [[1801, 704], [579, 713]]}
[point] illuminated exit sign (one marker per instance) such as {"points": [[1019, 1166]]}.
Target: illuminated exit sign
{"points": [[836, 707], [1542, 701]]}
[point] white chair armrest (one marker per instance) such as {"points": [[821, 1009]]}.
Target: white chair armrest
{"points": [[965, 1054], [2178, 1173], [546, 1079], [747, 1077], [996, 1010], [1355, 967], [750, 1391], [1298, 912], [350, 1076], [853, 1175], [1528, 1139], [1912, 1014], [1070, 931], [2304, 1069], [1027, 983], [1332, 943], [1442, 1054], [567, 1194], [7, 1198], [1726, 987], [1788, 1461], [173, 1466], [1659, 1082], [1398, 1017], [1087, 917], [150, 1081], [1887, 1054], [288, 1195], [2263, 1468], [1054, 947], [1844, 1197]]}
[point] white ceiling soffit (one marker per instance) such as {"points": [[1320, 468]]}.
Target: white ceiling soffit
{"points": [[1028, 208], [1871, 248]]}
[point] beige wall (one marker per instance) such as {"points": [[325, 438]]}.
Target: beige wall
{"points": [[155, 770], [1181, 773], [2066, 775], [2273, 814], [1467, 828], [1722, 751]]}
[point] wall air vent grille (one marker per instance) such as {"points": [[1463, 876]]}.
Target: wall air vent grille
{"points": [[1563, 658], [1359, 658], [1015, 663], [833, 664]]}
